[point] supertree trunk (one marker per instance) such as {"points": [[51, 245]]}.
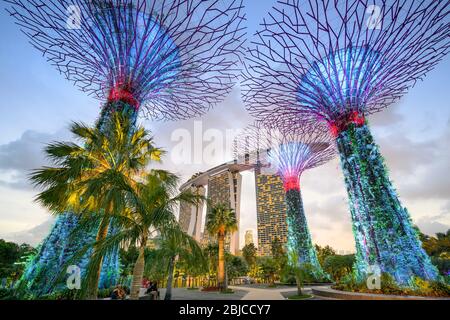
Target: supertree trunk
{"points": [[299, 238], [40, 276], [383, 230]]}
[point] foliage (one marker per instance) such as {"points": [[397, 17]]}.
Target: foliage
{"points": [[339, 265], [249, 252], [384, 233], [128, 258], [220, 221], [7, 294], [323, 253], [417, 286], [227, 291], [93, 180], [12, 258], [438, 248], [236, 266], [300, 297], [268, 268]]}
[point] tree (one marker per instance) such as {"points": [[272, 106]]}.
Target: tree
{"points": [[211, 251], [268, 269], [339, 265], [94, 179], [151, 205], [236, 266], [278, 254], [249, 253], [175, 244], [323, 253], [11, 258], [220, 221]]}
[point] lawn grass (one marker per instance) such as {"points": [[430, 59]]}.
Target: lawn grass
{"points": [[228, 291], [300, 297]]}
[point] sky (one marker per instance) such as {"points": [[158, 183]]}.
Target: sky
{"points": [[38, 104]]}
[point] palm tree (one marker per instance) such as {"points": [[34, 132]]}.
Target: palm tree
{"points": [[174, 245], [95, 177], [151, 209], [220, 221]]}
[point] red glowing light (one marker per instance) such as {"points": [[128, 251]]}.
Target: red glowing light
{"points": [[291, 183], [336, 127], [124, 95]]}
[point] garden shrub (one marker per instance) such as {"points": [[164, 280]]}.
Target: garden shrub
{"points": [[338, 266]]}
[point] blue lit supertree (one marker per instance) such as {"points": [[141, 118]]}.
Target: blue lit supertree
{"points": [[336, 62], [289, 151], [171, 59]]}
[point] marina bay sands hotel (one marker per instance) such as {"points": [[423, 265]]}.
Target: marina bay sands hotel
{"points": [[223, 184]]}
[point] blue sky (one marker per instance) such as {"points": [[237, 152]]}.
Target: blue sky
{"points": [[37, 104]]}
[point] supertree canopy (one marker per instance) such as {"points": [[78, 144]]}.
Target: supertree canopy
{"points": [[289, 151], [169, 59], [174, 59], [336, 62]]}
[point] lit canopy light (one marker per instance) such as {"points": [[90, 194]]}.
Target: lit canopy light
{"points": [[342, 82], [289, 151], [139, 63]]}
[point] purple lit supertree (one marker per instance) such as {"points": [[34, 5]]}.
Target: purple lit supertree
{"points": [[290, 151], [169, 59], [336, 62]]}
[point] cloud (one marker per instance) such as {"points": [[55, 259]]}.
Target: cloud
{"points": [[431, 226], [419, 169], [32, 236], [19, 157]]}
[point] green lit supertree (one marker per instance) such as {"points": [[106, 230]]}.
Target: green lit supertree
{"points": [[289, 151], [336, 62]]}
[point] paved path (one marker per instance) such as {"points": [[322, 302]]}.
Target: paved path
{"points": [[265, 294]]}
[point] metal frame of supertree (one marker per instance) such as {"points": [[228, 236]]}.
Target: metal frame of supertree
{"points": [[337, 61], [175, 59], [289, 151], [168, 59]]}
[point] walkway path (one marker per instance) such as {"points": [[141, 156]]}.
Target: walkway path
{"points": [[265, 293]]}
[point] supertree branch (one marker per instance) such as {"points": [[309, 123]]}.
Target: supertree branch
{"points": [[326, 59], [289, 151], [175, 58], [286, 150]]}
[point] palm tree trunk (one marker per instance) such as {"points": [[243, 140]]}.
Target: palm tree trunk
{"points": [[170, 279], [102, 233], [221, 267], [225, 282], [299, 285], [138, 273]]}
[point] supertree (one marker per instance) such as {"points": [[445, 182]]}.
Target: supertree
{"points": [[337, 62], [289, 151], [168, 59]]}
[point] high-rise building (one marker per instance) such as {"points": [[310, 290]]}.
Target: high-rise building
{"points": [[190, 217], [225, 187], [248, 237], [270, 211]]}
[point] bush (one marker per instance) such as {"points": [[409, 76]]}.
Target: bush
{"points": [[104, 293], [417, 287], [7, 294], [443, 265], [338, 266]]}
